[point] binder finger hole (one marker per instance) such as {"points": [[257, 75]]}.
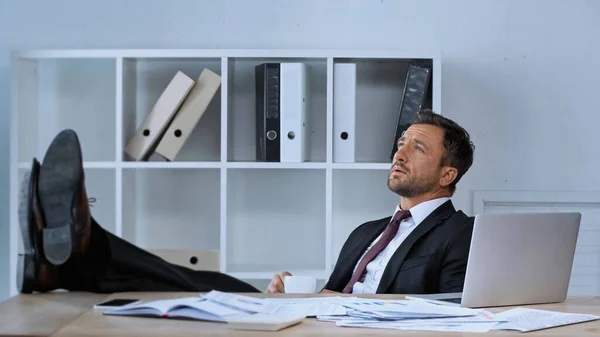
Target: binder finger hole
{"points": [[271, 135], [344, 135], [193, 260], [146, 132], [177, 133], [291, 135]]}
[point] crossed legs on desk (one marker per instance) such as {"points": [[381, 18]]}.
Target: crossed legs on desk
{"points": [[65, 248]]}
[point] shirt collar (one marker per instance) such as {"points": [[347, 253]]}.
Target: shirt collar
{"points": [[422, 210]]}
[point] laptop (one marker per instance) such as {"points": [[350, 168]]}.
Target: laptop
{"points": [[517, 259]]}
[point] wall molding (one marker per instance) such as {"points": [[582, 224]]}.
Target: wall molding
{"points": [[482, 198]]}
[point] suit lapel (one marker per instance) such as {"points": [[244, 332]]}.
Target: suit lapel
{"points": [[436, 217], [359, 248]]}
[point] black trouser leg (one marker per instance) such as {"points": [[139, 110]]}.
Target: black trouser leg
{"points": [[115, 265]]}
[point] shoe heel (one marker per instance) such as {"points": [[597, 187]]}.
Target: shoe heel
{"points": [[57, 244], [26, 273]]}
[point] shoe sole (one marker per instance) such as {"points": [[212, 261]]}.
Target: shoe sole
{"points": [[26, 261], [60, 173]]}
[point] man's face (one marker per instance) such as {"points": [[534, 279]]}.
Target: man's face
{"points": [[416, 165]]}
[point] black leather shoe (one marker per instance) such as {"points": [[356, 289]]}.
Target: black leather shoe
{"points": [[63, 199], [35, 272]]}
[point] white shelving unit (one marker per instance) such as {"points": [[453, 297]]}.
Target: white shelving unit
{"points": [[264, 218]]}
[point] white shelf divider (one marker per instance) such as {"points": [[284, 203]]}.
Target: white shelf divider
{"points": [[267, 275], [86, 164], [361, 166], [170, 165], [14, 235], [226, 67], [273, 165], [328, 172], [119, 148]]}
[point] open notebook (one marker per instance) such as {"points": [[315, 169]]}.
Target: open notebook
{"points": [[241, 312], [198, 308]]}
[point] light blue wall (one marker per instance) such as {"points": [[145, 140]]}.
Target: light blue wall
{"points": [[518, 74]]}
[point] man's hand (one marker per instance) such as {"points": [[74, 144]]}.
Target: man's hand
{"points": [[276, 285], [327, 291]]}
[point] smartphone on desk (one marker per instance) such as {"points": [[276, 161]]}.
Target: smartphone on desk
{"points": [[116, 303]]}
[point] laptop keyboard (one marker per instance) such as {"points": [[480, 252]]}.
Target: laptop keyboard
{"points": [[452, 300]]}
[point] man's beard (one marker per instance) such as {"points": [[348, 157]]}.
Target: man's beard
{"points": [[410, 189]]}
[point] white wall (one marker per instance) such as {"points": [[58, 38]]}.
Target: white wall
{"points": [[517, 74]]}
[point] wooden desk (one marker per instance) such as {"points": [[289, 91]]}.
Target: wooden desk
{"points": [[45, 313]]}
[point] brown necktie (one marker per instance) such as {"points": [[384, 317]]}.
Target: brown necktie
{"points": [[386, 237]]}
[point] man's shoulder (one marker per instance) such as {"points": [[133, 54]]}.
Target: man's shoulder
{"points": [[459, 218], [450, 216], [458, 221], [458, 225]]}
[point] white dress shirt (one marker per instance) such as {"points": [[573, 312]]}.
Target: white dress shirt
{"points": [[375, 268]]}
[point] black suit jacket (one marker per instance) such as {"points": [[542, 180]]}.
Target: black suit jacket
{"points": [[432, 258]]}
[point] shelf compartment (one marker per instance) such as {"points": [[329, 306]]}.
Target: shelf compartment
{"points": [[56, 94], [272, 165], [241, 110], [262, 283], [167, 209], [275, 220], [145, 79], [100, 188], [170, 165], [379, 90], [266, 274], [358, 196]]}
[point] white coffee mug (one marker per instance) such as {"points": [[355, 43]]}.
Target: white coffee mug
{"points": [[300, 284]]}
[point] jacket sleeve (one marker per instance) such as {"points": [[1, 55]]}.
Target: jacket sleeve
{"points": [[454, 264]]}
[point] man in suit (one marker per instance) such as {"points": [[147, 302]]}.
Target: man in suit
{"points": [[423, 248], [65, 248]]}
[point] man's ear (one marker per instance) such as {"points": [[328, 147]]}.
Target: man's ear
{"points": [[449, 174]]}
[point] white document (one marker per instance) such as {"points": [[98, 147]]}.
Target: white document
{"points": [[325, 299], [482, 322], [344, 112], [311, 307], [398, 309], [347, 319], [247, 303], [525, 319], [425, 326], [294, 112]]}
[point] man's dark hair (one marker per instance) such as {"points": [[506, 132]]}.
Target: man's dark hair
{"points": [[458, 147]]}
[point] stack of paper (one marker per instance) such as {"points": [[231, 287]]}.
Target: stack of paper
{"points": [[415, 314], [311, 307], [412, 315], [386, 314]]}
